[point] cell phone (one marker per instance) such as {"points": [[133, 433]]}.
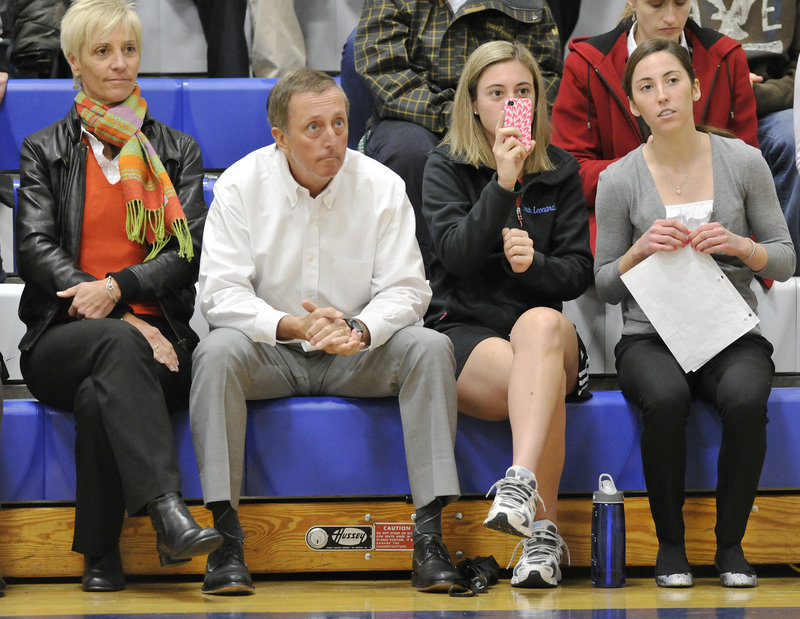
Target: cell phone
{"points": [[519, 114]]}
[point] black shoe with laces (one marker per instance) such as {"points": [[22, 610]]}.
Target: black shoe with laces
{"points": [[433, 571], [226, 571]]}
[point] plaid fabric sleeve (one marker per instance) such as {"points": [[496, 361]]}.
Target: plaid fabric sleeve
{"points": [[543, 41], [401, 89]]}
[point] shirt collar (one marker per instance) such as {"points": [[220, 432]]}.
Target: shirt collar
{"points": [[110, 167], [295, 191]]}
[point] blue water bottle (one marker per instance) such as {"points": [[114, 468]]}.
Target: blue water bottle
{"points": [[608, 534]]}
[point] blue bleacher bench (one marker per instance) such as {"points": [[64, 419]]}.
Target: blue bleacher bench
{"points": [[330, 446]]}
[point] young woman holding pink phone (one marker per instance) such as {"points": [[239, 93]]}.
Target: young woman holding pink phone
{"points": [[511, 243]]}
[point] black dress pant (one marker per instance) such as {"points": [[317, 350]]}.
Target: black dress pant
{"points": [[103, 370], [223, 27], [565, 14], [737, 383]]}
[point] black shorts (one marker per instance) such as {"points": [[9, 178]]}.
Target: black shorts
{"points": [[466, 337]]}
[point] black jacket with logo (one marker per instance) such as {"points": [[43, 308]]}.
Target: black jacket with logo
{"points": [[466, 209]]}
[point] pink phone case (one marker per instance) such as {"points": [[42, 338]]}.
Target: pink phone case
{"points": [[519, 114]]}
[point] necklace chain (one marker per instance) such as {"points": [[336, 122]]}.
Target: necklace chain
{"points": [[691, 167]]}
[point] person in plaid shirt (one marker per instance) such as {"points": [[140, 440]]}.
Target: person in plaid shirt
{"points": [[411, 53]]}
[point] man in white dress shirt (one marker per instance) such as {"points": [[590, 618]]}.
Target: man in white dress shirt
{"points": [[312, 282]]}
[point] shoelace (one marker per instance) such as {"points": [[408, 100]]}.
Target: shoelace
{"points": [[543, 535], [517, 490]]}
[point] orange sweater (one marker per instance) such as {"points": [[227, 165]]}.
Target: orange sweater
{"points": [[105, 247]]}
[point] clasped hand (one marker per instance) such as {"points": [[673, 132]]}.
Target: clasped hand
{"points": [[710, 238], [325, 329]]}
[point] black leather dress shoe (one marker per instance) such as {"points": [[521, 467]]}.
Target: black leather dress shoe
{"points": [[104, 573], [226, 571], [178, 536], [433, 571]]}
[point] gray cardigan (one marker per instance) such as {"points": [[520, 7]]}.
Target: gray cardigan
{"points": [[744, 202]]}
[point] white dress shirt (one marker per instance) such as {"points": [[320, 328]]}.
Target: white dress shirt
{"points": [[268, 245]]}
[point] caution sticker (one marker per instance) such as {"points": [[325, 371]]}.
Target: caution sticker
{"points": [[339, 538], [394, 536]]}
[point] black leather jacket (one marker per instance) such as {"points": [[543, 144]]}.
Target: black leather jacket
{"points": [[50, 216]]}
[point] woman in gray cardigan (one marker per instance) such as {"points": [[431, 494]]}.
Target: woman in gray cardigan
{"points": [[639, 202]]}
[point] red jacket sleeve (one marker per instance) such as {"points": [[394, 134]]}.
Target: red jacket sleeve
{"points": [[575, 124], [744, 124]]}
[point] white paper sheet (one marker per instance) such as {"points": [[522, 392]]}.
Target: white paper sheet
{"points": [[692, 305]]}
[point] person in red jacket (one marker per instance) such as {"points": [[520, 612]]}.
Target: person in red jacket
{"points": [[591, 118]]}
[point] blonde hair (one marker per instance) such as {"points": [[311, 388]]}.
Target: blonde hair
{"points": [[466, 136], [627, 12], [86, 20]]}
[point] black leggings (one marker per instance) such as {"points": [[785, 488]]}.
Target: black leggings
{"points": [[103, 370], [737, 383]]}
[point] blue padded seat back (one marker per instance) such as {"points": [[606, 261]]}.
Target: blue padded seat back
{"points": [[59, 455], [782, 464], [227, 117], [187, 463], [318, 446], [329, 446], [31, 105], [602, 437], [208, 188], [22, 454]]}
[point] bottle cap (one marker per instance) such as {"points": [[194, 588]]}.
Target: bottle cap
{"points": [[607, 491]]}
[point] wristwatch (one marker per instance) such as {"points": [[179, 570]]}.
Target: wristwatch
{"points": [[352, 323]]}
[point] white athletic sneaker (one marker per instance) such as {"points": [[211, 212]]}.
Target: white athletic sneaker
{"points": [[541, 556], [514, 505]]}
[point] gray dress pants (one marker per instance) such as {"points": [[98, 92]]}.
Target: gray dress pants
{"points": [[416, 364]]}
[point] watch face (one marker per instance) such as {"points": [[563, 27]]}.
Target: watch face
{"points": [[354, 324]]}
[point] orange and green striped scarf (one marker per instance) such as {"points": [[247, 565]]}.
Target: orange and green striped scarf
{"points": [[154, 213]]}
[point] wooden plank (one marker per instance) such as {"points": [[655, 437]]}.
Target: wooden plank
{"points": [[36, 540]]}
